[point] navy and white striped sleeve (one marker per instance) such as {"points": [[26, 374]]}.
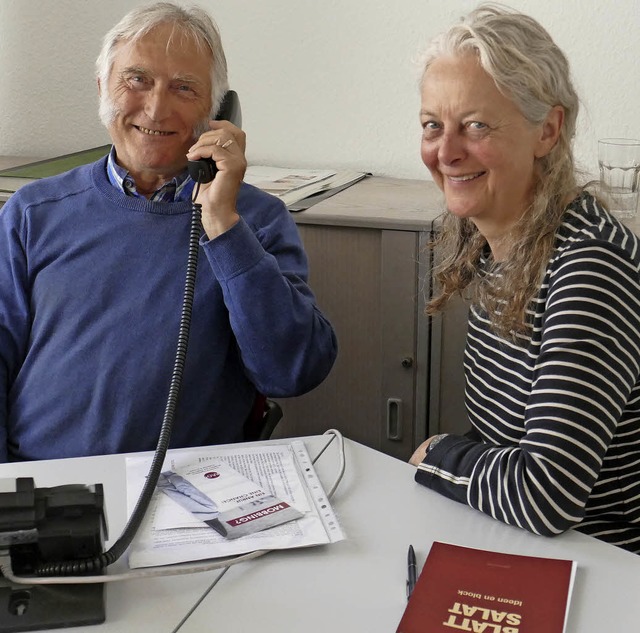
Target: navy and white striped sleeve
{"points": [[587, 366]]}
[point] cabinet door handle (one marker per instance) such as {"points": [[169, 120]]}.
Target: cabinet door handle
{"points": [[394, 419]]}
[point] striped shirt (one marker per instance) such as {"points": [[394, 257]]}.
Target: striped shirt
{"points": [[556, 420]]}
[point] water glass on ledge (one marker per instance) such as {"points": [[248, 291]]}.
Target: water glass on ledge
{"points": [[619, 161]]}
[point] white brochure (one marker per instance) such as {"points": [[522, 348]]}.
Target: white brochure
{"points": [[170, 534]]}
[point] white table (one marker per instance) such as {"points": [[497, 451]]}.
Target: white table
{"points": [[354, 585], [359, 584]]}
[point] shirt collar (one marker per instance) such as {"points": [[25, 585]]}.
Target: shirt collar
{"points": [[178, 189]]}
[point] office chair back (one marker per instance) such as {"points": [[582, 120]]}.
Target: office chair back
{"points": [[262, 420]]}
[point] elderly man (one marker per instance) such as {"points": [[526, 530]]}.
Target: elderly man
{"points": [[92, 267]]}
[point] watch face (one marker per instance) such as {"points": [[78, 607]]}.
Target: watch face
{"points": [[435, 440]]}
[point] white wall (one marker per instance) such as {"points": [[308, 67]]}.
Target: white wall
{"points": [[323, 83]]}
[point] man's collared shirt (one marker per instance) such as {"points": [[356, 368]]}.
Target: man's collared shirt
{"points": [[178, 189]]}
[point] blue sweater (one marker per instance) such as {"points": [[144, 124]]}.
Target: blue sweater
{"points": [[92, 283]]}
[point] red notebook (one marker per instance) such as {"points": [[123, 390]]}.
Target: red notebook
{"points": [[465, 589]]}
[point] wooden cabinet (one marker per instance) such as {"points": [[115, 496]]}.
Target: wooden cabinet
{"points": [[447, 411], [370, 269]]}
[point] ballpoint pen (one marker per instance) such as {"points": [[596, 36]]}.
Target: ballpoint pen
{"points": [[411, 571]]}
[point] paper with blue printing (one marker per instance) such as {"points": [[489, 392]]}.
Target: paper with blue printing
{"points": [[171, 533], [219, 496]]}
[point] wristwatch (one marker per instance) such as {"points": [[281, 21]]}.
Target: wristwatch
{"points": [[435, 440]]}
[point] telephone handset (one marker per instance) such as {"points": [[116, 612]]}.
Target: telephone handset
{"points": [[204, 170]]}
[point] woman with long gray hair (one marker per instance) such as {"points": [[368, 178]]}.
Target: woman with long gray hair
{"points": [[552, 360]]}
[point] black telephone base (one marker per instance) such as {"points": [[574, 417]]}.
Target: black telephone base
{"points": [[37, 607], [39, 526]]}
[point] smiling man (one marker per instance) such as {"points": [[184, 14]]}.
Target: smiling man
{"points": [[92, 267], [153, 103]]}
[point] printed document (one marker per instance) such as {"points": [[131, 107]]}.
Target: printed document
{"points": [[171, 534], [294, 185]]}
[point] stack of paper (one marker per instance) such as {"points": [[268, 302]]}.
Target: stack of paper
{"points": [[295, 185], [170, 535]]}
